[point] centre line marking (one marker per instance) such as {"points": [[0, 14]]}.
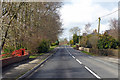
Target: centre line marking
{"points": [[85, 66], [90, 57], [92, 73], [73, 57], [78, 61]]}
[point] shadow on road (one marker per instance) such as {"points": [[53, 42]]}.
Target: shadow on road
{"points": [[6, 68]]}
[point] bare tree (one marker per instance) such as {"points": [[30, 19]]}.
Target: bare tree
{"points": [[114, 28], [87, 28], [26, 24], [74, 30], [84, 41], [93, 40]]}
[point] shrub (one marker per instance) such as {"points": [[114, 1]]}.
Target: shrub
{"points": [[43, 46], [107, 42], [75, 39], [71, 42], [53, 44], [9, 49], [57, 42]]}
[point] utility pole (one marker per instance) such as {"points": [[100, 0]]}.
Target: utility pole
{"points": [[99, 26], [79, 36]]}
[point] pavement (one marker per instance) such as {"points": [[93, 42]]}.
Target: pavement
{"points": [[15, 70], [110, 59], [71, 63]]}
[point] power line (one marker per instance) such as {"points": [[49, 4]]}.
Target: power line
{"points": [[105, 16], [109, 13], [102, 17]]}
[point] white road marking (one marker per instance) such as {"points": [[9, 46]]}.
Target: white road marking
{"points": [[42, 65], [90, 57], [70, 54], [92, 72], [73, 57], [78, 61], [85, 66], [68, 51]]}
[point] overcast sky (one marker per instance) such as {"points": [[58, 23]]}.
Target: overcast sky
{"points": [[77, 13]]}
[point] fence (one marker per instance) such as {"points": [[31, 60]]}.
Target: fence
{"points": [[15, 56], [11, 60]]}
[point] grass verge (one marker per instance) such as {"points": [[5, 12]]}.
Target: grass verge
{"points": [[88, 53], [52, 47], [66, 44], [36, 55], [73, 46]]}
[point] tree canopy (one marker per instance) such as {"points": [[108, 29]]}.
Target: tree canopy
{"points": [[27, 24]]}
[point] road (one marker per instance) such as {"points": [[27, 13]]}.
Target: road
{"points": [[70, 63]]}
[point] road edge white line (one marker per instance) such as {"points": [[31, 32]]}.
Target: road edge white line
{"points": [[92, 72]]}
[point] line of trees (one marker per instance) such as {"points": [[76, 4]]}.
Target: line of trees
{"points": [[27, 24]]}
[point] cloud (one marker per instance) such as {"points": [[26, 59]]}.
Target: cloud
{"points": [[77, 12], [80, 12]]}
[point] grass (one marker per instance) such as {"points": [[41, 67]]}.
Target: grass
{"points": [[66, 44], [73, 46], [88, 53], [52, 47], [35, 55]]}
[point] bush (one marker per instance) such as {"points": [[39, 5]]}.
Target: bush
{"points": [[9, 49], [74, 46], [43, 46], [71, 42], [53, 44], [57, 42], [107, 42], [75, 39]]}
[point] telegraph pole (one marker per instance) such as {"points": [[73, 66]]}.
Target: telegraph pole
{"points": [[99, 26], [79, 36]]}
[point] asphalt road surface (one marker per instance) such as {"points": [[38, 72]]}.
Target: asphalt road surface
{"points": [[70, 63]]}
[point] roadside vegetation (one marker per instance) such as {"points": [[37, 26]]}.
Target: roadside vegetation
{"points": [[36, 55], [74, 46], [30, 26], [97, 42], [88, 53], [43, 50], [52, 47]]}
